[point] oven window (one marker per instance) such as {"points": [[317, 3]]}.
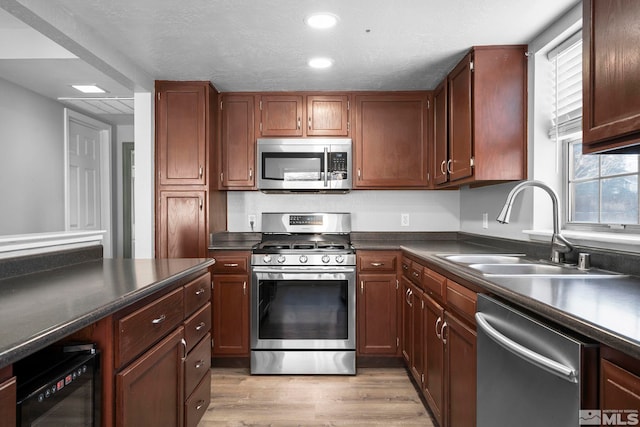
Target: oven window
{"points": [[292, 167], [75, 410], [310, 309]]}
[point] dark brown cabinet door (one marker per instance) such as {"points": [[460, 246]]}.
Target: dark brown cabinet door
{"points": [[391, 149], [377, 314], [440, 133], [416, 299], [327, 115], [280, 115], [182, 228], [619, 388], [230, 315], [8, 402], [460, 121], [611, 75], [181, 141], [150, 391], [460, 371], [433, 386], [237, 145], [407, 322]]}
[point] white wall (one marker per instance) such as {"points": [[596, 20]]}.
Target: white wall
{"points": [[371, 210], [31, 162]]}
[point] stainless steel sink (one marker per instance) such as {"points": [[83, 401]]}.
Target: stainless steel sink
{"points": [[485, 258], [540, 270]]}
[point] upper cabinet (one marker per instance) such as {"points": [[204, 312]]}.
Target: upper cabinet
{"points": [[484, 132], [323, 114], [391, 140], [181, 132], [237, 142], [611, 76]]}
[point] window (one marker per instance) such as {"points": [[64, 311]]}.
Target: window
{"points": [[601, 190]]}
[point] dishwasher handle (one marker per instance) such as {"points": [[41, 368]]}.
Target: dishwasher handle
{"points": [[565, 372]]}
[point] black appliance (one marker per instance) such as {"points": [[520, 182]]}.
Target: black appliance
{"points": [[59, 386]]}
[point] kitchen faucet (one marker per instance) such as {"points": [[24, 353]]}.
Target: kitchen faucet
{"points": [[559, 245]]}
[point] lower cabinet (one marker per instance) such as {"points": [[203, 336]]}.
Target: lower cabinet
{"points": [[230, 301], [149, 391], [433, 385], [619, 392], [8, 401], [377, 303]]}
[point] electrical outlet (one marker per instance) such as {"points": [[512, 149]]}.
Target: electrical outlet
{"points": [[404, 220], [485, 220], [252, 222]]}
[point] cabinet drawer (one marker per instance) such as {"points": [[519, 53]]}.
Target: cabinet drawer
{"points": [[377, 261], [434, 283], [197, 326], [406, 267], [230, 264], [415, 274], [197, 293], [139, 330], [197, 364], [462, 300], [197, 403]]}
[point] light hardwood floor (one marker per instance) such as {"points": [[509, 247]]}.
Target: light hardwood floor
{"points": [[376, 396]]}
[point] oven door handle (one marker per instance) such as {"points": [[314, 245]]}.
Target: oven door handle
{"points": [[305, 270], [549, 365]]}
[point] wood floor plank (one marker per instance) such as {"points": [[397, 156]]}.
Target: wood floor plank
{"points": [[376, 396]]}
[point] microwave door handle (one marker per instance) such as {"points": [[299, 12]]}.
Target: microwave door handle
{"points": [[326, 166]]}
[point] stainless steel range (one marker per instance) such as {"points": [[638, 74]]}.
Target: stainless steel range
{"points": [[303, 295]]}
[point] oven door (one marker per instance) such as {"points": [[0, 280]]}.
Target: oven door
{"points": [[303, 308]]}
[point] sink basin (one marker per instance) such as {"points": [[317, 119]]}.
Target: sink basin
{"points": [[540, 270], [485, 258]]}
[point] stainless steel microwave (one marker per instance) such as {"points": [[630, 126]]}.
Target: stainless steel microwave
{"points": [[304, 165]]}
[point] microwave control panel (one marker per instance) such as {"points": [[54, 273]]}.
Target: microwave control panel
{"points": [[337, 162]]}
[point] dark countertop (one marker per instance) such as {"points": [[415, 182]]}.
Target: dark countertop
{"points": [[39, 309], [605, 310]]}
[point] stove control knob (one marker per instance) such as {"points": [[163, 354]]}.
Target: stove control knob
{"points": [[303, 259], [266, 259], [281, 259], [339, 259], [326, 259]]}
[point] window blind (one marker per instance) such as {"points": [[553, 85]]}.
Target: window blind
{"points": [[566, 61]]}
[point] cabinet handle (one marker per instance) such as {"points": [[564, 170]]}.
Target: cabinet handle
{"points": [[405, 267], [444, 339], [200, 404], [250, 173], [200, 326], [442, 165], [359, 174], [409, 298], [200, 291], [438, 333], [377, 264], [159, 320], [449, 163], [199, 364], [184, 349], [200, 204], [200, 172], [221, 177], [362, 286], [244, 288], [299, 123], [415, 274], [231, 264], [309, 122]]}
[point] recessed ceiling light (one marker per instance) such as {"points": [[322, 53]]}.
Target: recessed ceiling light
{"points": [[320, 62], [321, 20], [88, 88]]}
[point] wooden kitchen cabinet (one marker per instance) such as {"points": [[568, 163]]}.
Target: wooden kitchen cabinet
{"points": [[413, 324], [391, 140], [230, 301], [328, 115], [433, 384], [280, 115], [237, 142], [182, 224], [150, 391], [440, 134], [611, 76], [377, 303], [8, 399], [486, 125], [619, 388]]}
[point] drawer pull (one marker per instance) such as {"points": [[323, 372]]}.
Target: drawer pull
{"points": [[377, 264], [405, 267], [199, 364], [159, 320], [415, 274], [200, 326], [231, 264], [200, 405], [200, 291], [184, 349]]}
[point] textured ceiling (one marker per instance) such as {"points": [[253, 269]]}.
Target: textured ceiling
{"points": [[248, 45]]}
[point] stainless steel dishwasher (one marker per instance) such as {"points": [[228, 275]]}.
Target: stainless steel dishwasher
{"points": [[529, 373]]}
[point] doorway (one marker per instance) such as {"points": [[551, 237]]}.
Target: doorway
{"points": [[128, 198]]}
